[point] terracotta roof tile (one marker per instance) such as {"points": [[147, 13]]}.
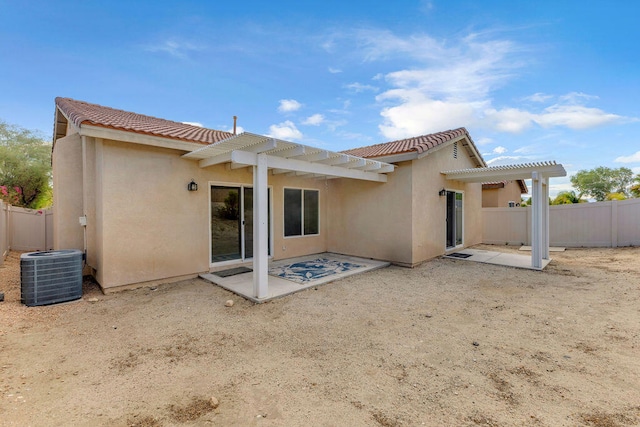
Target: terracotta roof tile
{"points": [[419, 144], [80, 112]]}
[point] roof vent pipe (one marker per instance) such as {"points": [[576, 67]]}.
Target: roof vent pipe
{"points": [[235, 121]]}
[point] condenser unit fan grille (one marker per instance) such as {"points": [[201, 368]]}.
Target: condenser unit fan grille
{"points": [[50, 277]]}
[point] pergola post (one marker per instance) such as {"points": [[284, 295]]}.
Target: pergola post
{"points": [[260, 232], [536, 220], [545, 219]]}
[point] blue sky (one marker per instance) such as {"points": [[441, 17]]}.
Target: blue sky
{"points": [[531, 81]]}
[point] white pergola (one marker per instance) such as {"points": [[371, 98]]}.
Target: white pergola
{"points": [[265, 154], [539, 173]]}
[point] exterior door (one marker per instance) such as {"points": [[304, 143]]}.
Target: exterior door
{"points": [[454, 219], [232, 223]]}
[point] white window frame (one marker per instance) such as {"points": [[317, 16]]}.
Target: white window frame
{"points": [[302, 190]]}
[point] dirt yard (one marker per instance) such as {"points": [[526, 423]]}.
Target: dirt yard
{"points": [[450, 343]]}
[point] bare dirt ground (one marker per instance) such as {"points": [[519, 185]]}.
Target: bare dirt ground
{"points": [[450, 343]]}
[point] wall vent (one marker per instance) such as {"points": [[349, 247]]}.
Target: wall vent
{"points": [[50, 277], [455, 150]]}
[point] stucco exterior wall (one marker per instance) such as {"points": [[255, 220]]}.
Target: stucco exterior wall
{"points": [[148, 227], [500, 197], [370, 219], [144, 226], [67, 193], [287, 247], [429, 209]]}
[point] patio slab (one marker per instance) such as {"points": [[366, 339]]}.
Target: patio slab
{"points": [[242, 284], [499, 258], [551, 248]]}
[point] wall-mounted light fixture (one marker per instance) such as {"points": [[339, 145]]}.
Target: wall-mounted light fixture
{"points": [[442, 192], [192, 186]]}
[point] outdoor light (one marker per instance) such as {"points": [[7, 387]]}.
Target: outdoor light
{"points": [[442, 192], [192, 186]]}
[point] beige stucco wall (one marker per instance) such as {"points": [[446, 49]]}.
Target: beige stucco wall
{"points": [[287, 247], [67, 193], [500, 197], [402, 221], [371, 219], [143, 225], [429, 208]]}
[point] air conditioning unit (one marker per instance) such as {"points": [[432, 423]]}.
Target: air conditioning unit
{"points": [[50, 277]]}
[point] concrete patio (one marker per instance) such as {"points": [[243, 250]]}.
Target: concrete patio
{"points": [[242, 284], [497, 258]]}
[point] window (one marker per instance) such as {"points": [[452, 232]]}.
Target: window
{"points": [[301, 212]]}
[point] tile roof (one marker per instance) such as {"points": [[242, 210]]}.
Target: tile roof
{"points": [[502, 184], [419, 144], [80, 112]]}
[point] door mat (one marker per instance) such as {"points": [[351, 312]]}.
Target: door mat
{"points": [[306, 271], [459, 255], [232, 271]]}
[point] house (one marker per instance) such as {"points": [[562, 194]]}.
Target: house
{"points": [[503, 194], [151, 200]]}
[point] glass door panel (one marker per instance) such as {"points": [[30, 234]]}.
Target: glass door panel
{"points": [[225, 224], [248, 222], [232, 223], [454, 219]]}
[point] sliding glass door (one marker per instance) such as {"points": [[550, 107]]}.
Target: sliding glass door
{"points": [[232, 223], [454, 219]]}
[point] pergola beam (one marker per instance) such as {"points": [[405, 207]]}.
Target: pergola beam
{"points": [[539, 173]]}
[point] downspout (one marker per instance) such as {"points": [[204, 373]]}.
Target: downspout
{"points": [[83, 218]]}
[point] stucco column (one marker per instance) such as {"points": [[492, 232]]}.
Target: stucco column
{"points": [[260, 232]]}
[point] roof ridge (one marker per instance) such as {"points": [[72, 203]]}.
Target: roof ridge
{"points": [[79, 112], [419, 143], [59, 98]]}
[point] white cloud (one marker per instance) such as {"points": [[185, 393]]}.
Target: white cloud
{"points": [[314, 120], [334, 70], [198, 124], [417, 114], [629, 159], [576, 97], [359, 87], [499, 150], [527, 149], [451, 84], [286, 130], [178, 49], [576, 117], [483, 141], [509, 119], [289, 105], [538, 97], [505, 160]]}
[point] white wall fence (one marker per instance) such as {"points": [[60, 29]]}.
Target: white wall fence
{"points": [[601, 224], [24, 229]]}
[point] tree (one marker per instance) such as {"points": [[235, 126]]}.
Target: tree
{"points": [[599, 182], [25, 167], [566, 198], [635, 188], [616, 196]]}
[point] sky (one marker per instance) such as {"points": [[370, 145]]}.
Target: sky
{"points": [[530, 80]]}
